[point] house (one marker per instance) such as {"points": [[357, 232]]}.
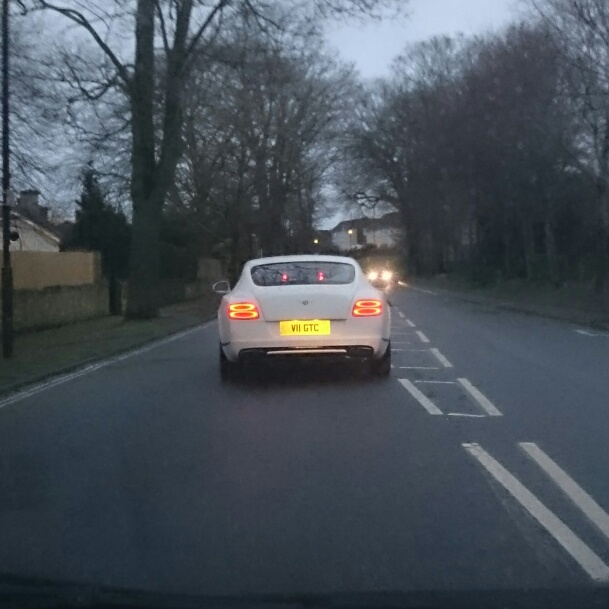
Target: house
{"points": [[31, 229], [386, 231]]}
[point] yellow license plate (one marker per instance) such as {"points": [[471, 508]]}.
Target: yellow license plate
{"points": [[309, 327]]}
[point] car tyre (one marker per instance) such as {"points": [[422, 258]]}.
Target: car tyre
{"points": [[381, 368], [229, 371]]}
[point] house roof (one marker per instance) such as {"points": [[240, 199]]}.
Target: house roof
{"points": [[390, 220], [19, 220]]}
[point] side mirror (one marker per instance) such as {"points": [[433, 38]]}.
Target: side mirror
{"points": [[221, 287]]}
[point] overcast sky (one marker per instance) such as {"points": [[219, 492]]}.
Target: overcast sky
{"points": [[372, 47]]}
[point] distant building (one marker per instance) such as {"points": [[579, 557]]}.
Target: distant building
{"points": [[386, 231]]}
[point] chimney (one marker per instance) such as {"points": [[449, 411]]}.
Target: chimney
{"points": [[28, 206]]}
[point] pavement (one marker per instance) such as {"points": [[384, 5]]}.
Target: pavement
{"points": [[479, 465]]}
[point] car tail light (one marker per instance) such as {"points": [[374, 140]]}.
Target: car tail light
{"points": [[367, 308], [243, 310]]}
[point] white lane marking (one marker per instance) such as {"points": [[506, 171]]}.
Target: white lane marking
{"points": [[70, 376], [595, 334], [422, 336], [419, 368], [400, 333], [401, 314], [482, 400], [403, 283], [463, 414], [443, 383], [408, 322], [398, 350], [574, 491], [579, 551], [424, 291], [400, 342], [441, 358], [420, 397]]}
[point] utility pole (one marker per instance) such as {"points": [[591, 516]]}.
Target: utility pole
{"points": [[7, 271]]}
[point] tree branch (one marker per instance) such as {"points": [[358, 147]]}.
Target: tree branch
{"points": [[220, 6], [78, 18]]}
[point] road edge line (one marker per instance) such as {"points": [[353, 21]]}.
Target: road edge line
{"points": [[60, 379]]}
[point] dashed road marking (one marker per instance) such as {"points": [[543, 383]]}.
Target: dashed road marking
{"points": [[594, 334], [574, 491], [420, 397], [422, 336], [408, 322], [424, 291], [419, 368], [465, 414], [480, 398], [441, 383], [441, 358], [401, 314], [587, 559]]}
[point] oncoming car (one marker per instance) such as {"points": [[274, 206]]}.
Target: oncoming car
{"points": [[381, 278], [291, 307]]}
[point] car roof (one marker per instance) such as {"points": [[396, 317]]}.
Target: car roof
{"points": [[300, 258]]}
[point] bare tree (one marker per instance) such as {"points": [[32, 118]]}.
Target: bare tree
{"points": [[180, 27], [581, 33]]}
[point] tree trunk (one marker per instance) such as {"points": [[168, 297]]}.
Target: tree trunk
{"points": [[151, 180], [551, 257], [602, 257], [529, 249]]}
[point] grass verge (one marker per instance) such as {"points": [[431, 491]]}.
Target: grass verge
{"points": [[573, 302], [42, 354]]}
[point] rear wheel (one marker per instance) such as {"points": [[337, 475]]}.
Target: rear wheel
{"points": [[229, 371], [381, 368]]}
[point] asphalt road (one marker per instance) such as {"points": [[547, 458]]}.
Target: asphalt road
{"points": [[481, 464]]}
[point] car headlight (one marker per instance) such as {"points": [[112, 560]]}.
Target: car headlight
{"points": [[387, 275], [373, 275]]}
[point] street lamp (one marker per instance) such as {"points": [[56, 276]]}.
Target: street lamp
{"points": [[350, 233], [316, 241], [7, 271]]}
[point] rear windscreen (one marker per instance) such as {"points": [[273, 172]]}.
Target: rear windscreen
{"points": [[303, 273]]}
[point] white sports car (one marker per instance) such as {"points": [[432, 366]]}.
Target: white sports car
{"points": [[303, 306]]}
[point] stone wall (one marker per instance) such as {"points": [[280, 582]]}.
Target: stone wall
{"points": [[59, 305]]}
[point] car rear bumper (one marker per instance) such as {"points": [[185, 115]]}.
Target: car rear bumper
{"points": [[349, 339], [345, 350], [327, 354]]}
